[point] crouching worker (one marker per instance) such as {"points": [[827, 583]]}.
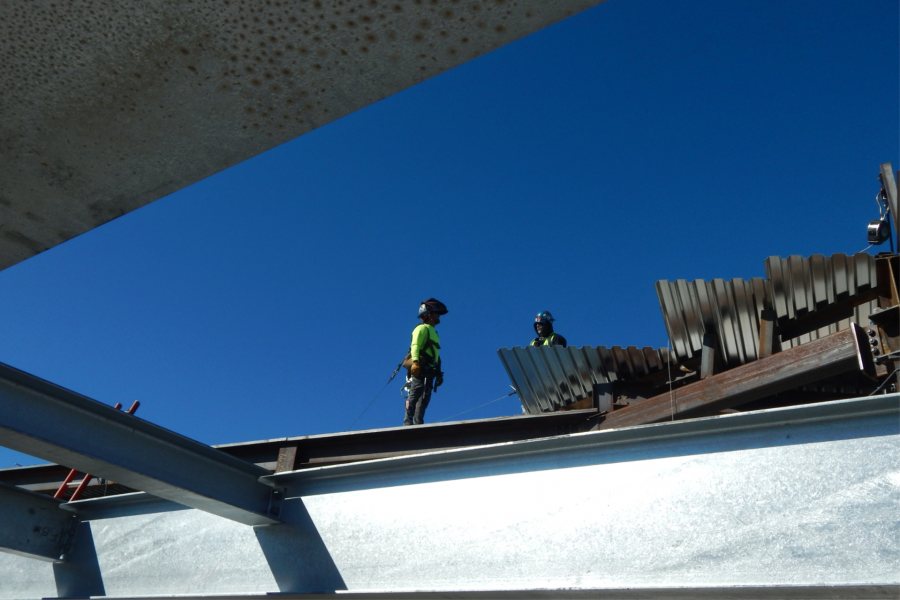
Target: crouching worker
{"points": [[423, 364]]}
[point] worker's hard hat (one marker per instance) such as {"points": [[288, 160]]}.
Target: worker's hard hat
{"points": [[432, 305], [543, 317]]}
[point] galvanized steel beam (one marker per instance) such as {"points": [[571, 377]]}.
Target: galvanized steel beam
{"points": [[45, 420], [839, 353], [799, 501], [33, 525]]}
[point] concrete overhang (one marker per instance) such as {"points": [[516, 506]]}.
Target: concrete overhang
{"points": [[107, 106]]}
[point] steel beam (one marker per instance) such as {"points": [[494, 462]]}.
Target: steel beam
{"points": [[832, 355], [45, 420], [796, 502], [33, 525]]}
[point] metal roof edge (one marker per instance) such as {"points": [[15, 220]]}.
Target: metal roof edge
{"points": [[837, 410]]}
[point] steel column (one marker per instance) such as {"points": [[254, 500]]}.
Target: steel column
{"points": [[33, 525]]}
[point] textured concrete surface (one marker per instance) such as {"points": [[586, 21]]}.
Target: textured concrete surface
{"points": [[107, 106]]}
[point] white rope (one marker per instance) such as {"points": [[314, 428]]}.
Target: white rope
{"points": [[497, 399]]}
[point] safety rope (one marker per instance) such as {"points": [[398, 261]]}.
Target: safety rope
{"points": [[672, 403], [497, 399], [885, 382], [371, 402]]}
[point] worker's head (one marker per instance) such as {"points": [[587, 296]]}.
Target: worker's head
{"points": [[543, 323], [430, 311]]}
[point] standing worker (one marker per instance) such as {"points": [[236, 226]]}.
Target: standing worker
{"points": [[424, 361], [543, 327]]}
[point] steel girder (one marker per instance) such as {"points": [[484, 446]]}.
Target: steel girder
{"points": [[45, 420]]}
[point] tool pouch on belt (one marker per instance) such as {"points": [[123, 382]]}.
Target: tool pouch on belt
{"points": [[407, 362]]}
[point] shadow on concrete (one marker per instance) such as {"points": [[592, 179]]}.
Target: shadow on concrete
{"points": [[297, 555]]}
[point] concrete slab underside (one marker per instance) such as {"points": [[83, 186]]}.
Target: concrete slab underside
{"points": [[107, 106]]}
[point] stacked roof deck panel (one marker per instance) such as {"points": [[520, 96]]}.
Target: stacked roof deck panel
{"points": [[794, 288], [800, 286], [549, 378], [729, 308]]}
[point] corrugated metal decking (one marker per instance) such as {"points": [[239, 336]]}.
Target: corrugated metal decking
{"points": [[729, 308], [800, 286], [549, 378], [794, 288]]}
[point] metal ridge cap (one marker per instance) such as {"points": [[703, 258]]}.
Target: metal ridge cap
{"points": [[802, 414]]}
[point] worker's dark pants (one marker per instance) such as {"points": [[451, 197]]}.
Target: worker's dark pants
{"points": [[418, 399]]}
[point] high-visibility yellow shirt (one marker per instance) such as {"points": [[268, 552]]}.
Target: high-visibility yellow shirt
{"points": [[553, 339], [425, 341]]}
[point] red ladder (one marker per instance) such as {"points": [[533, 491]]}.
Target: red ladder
{"points": [[61, 490]]}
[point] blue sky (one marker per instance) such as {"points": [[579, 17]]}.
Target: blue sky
{"points": [[568, 171]]}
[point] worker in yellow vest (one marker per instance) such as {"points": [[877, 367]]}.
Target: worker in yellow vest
{"points": [[543, 327], [424, 361]]}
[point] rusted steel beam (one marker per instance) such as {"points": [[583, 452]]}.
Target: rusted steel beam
{"points": [[287, 458], [887, 269], [289, 454], [832, 355]]}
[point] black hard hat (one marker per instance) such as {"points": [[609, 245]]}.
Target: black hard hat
{"points": [[432, 305], [544, 317]]}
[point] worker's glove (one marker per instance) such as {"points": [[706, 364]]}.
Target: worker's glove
{"points": [[415, 370], [438, 381]]}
